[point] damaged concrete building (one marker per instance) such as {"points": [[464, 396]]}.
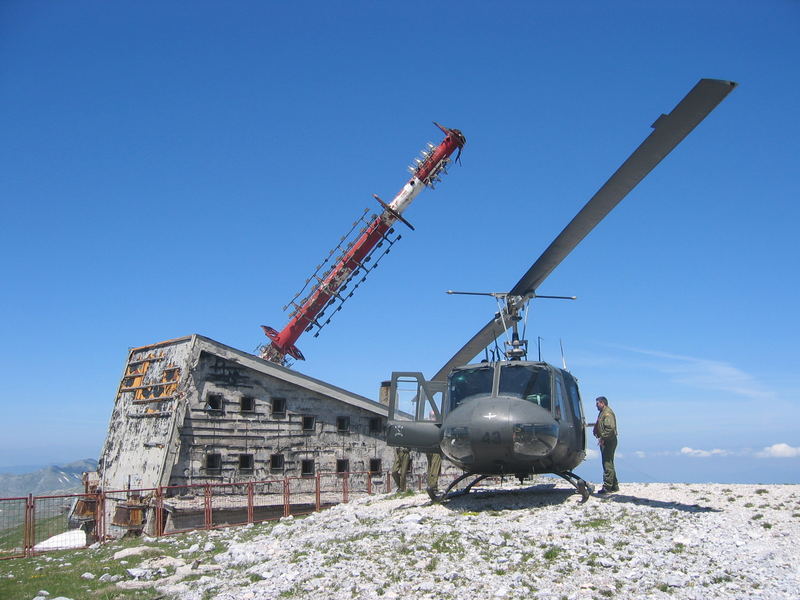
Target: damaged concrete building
{"points": [[194, 411]]}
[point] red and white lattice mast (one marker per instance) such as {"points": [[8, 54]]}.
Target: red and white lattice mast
{"points": [[353, 260]]}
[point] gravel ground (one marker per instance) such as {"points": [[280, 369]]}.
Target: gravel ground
{"points": [[650, 540]]}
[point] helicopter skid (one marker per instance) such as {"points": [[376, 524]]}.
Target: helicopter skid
{"points": [[584, 489], [448, 493]]}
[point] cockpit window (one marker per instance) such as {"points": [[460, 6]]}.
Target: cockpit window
{"points": [[469, 382], [527, 382]]}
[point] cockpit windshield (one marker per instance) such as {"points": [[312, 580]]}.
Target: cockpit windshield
{"points": [[469, 382], [528, 382]]}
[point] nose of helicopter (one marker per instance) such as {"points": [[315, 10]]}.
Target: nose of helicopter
{"points": [[498, 433]]}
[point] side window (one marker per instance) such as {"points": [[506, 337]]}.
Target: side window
{"points": [[558, 405], [574, 396], [214, 405], [278, 407]]}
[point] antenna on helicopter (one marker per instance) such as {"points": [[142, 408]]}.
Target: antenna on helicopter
{"points": [[563, 358]]}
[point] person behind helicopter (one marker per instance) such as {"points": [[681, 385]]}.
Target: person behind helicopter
{"points": [[434, 465], [605, 430], [402, 459]]}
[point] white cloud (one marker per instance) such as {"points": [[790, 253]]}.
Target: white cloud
{"points": [[779, 451], [704, 453], [640, 454], [591, 454]]}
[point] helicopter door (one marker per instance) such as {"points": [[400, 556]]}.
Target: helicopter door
{"points": [[577, 407], [561, 412], [415, 411]]}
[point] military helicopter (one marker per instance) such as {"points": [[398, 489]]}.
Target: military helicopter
{"points": [[513, 416]]}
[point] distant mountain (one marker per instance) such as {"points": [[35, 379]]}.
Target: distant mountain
{"points": [[49, 480]]}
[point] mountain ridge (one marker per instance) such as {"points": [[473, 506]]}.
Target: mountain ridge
{"points": [[52, 479]]}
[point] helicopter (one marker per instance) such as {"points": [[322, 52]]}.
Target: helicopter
{"points": [[511, 416]]}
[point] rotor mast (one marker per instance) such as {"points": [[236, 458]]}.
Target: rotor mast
{"points": [[426, 171]]}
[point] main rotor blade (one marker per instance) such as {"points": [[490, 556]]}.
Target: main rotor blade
{"points": [[669, 131]]}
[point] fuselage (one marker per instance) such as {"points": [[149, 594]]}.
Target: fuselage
{"points": [[513, 417]]}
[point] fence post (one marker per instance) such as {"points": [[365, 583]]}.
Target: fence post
{"points": [[250, 510], [388, 480], [100, 516], [345, 487], [159, 528], [208, 517], [286, 510], [28, 529], [317, 492], [369, 483]]}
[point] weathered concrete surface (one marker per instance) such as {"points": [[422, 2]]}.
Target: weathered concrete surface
{"points": [[193, 411]]}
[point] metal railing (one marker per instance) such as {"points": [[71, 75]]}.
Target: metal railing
{"points": [[35, 524]]}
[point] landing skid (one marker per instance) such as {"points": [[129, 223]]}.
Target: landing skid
{"points": [[446, 495], [584, 489]]}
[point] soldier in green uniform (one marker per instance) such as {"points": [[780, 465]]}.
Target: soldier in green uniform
{"points": [[605, 430], [400, 467], [434, 470]]}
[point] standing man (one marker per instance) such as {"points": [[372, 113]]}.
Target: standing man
{"points": [[605, 430], [400, 467], [434, 470]]}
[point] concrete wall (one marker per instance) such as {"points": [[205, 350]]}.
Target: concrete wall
{"points": [[216, 424], [163, 426], [148, 409]]}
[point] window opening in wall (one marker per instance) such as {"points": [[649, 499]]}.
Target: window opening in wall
{"points": [[279, 407], [375, 425], [343, 465], [213, 463], [308, 422], [342, 424], [307, 467], [246, 462], [276, 462], [247, 404], [214, 404], [375, 465]]}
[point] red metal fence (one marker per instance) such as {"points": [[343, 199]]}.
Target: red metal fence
{"points": [[39, 524]]}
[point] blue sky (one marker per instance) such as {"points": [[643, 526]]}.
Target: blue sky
{"points": [[172, 168]]}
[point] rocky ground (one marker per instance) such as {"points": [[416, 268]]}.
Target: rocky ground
{"points": [[648, 541]]}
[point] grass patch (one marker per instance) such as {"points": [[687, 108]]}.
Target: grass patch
{"points": [[593, 523], [552, 552], [677, 548], [762, 491]]}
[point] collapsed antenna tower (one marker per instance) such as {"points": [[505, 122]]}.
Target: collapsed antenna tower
{"points": [[357, 258]]}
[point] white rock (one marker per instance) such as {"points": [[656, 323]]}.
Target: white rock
{"points": [[675, 580], [75, 538], [87, 575], [125, 553], [139, 573]]}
